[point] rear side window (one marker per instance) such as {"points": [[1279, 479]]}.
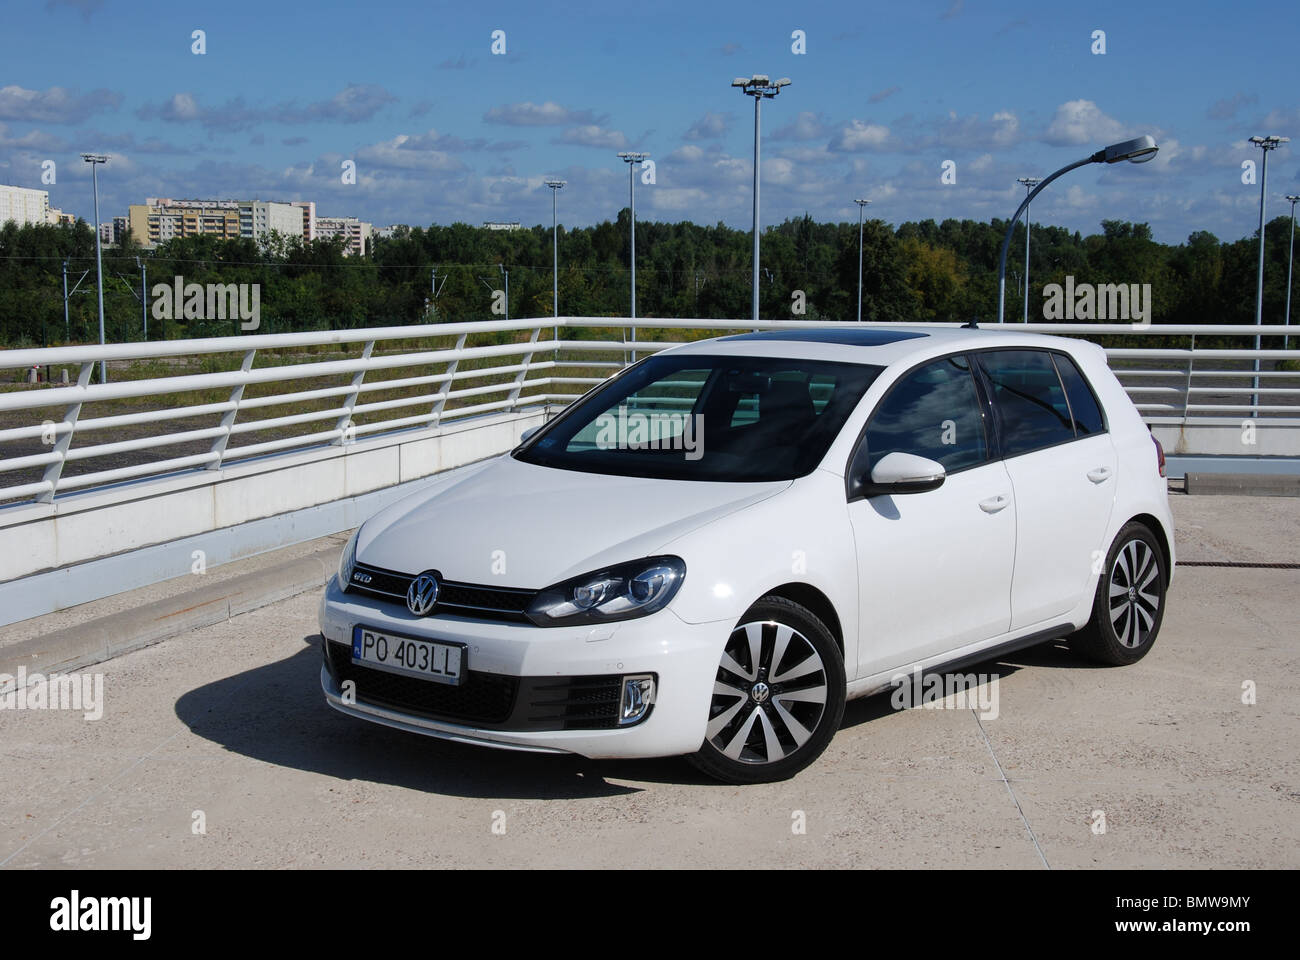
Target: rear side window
{"points": [[1083, 404], [1030, 402], [933, 412]]}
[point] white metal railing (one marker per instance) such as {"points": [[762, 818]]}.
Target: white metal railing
{"points": [[429, 386]]}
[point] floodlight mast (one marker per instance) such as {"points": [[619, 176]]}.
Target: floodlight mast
{"points": [[632, 158], [1030, 183], [1290, 262], [1266, 144], [862, 206], [760, 87], [95, 159]]}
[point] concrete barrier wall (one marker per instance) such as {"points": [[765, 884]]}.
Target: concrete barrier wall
{"points": [[91, 545], [1247, 437]]}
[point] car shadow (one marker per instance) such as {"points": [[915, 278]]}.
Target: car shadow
{"points": [[879, 705], [1055, 654], [277, 714]]}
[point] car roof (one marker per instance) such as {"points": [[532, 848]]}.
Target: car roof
{"points": [[879, 344]]}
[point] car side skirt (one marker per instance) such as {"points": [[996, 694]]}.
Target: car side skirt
{"points": [[948, 662]]}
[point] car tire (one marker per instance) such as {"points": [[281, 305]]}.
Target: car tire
{"points": [[1129, 604], [778, 696]]}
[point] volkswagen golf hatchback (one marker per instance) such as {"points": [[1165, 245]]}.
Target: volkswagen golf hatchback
{"points": [[709, 553]]}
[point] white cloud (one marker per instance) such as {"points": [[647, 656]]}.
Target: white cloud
{"points": [[55, 105], [805, 126], [711, 126], [548, 114], [1082, 122], [593, 135], [407, 153], [860, 135]]}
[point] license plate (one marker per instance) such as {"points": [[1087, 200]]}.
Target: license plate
{"points": [[434, 660]]}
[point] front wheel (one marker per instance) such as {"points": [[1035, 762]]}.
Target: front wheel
{"points": [[1130, 601], [778, 696]]}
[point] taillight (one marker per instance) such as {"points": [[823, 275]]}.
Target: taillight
{"points": [[1160, 454]]}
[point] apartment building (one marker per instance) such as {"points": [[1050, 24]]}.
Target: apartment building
{"points": [[158, 220], [24, 205], [356, 233]]}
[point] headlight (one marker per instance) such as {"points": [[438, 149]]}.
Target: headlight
{"points": [[348, 560], [621, 592]]}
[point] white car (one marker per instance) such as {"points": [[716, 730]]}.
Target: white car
{"points": [[709, 553]]}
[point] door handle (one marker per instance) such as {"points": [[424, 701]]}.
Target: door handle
{"points": [[1099, 474], [994, 504]]}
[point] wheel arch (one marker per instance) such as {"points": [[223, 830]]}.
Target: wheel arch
{"points": [[1157, 528], [813, 600]]}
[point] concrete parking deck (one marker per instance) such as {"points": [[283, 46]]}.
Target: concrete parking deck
{"points": [[225, 728]]}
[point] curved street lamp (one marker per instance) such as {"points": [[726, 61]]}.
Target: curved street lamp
{"points": [[1135, 151]]}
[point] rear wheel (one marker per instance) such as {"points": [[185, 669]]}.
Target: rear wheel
{"points": [[1130, 601], [778, 696]]}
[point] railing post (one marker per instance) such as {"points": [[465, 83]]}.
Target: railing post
{"points": [[523, 374], [1187, 389], [345, 418], [53, 471], [228, 418], [435, 414]]}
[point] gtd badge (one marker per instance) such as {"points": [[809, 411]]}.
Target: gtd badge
{"points": [[422, 594], [360, 577]]}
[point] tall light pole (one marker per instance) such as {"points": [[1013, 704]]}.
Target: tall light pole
{"points": [[1290, 261], [556, 186], [862, 207], [95, 159], [1266, 144], [632, 159], [759, 87], [1030, 183], [1139, 150]]}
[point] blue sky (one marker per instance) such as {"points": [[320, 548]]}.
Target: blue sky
{"points": [[441, 129]]}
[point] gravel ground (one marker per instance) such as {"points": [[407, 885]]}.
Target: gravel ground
{"points": [[228, 724]]}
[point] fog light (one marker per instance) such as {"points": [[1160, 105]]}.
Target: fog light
{"points": [[638, 695]]}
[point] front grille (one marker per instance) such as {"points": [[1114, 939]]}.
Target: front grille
{"points": [[474, 600], [572, 703], [488, 700], [483, 698]]}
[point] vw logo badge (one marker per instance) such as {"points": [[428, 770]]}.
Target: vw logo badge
{"points": [[422, 594]]}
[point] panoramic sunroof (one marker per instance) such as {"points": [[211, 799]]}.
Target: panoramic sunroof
{"points": [[851, 337]]}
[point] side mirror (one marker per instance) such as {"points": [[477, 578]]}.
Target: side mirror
{"points": [[899, 473], [523, 437]]}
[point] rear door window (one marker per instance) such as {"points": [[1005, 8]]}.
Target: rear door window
{"points": [[1083, 404], [1031, 404]]}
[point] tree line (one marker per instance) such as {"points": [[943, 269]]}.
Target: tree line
{"points": [[916, 272]]}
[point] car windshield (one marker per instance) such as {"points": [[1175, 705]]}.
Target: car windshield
{"points": [[697, 417]]}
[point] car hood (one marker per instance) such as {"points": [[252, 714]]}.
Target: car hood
{"points": [[517, 524]]}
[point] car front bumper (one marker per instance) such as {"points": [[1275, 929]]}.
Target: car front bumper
{"points": [[509, 665]]}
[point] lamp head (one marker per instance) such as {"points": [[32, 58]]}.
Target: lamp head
{"points": [[1138, 150]]}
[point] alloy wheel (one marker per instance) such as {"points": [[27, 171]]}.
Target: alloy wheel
{"points": [[1134, 593], [769, 694]]}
